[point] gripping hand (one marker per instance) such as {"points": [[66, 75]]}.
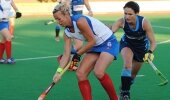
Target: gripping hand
{"points": [[148, 55], [76, 58], [18, 15]]}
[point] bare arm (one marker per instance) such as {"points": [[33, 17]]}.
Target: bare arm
{"points": [[118, 24], [86, 2], [87, 33], [149, 31], [66, 55], [14, 6]]}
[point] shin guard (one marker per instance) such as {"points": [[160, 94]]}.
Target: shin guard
{"points": [[85, 89], [109, 87]]}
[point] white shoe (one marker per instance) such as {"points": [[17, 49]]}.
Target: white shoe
{"points": [[2, 61], [57, 39]]}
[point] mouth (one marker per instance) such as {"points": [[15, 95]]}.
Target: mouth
{"points": [[127, 19]]}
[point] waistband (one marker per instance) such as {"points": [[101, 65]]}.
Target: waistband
{"points": [[137, 38], [4, 19]]}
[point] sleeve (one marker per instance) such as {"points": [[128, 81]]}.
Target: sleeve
{"points": [[1, 11]]}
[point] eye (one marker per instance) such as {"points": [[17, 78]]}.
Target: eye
{"points": [[58, 19], [130, 14]]}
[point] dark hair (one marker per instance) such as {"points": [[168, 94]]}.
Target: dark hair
{"points": [[133, 5]]}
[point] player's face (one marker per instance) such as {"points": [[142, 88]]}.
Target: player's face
{"points": [[129, 15], [60, 18]]}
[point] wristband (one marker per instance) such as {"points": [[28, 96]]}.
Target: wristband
{"points": [[59, 69]]}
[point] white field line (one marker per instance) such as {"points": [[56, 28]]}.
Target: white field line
{"points": [[140, 75], [47, 57], [161, 27], [163, 42], [35, 58]]}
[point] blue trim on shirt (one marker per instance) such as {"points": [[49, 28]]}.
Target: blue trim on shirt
{"points": [[77, 17], [1, 8]]}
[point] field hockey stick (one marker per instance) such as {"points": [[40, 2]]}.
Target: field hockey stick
{"points": [[49, 22], [159, 74], [44, 94]]}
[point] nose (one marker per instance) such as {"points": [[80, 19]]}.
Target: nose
{"points": [[126, 16]]}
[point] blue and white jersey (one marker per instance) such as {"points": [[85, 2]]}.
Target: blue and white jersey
{"points": [[5, 9], [100, 31], [77, 7]]}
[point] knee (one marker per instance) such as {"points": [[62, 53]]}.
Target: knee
{"points": [[8, 38], [2, 41], [99, 74], [80, 75]]}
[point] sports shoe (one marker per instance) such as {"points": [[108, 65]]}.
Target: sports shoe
{"points": [[10, 61], [2, 61], [57, 39], [124, 95]]}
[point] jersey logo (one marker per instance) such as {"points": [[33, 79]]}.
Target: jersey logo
{"points": [[109, 45]]}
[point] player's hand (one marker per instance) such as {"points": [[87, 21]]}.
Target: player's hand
{"points": [[90, 13], [74, 62], [149, 55], [76, 58], [56, 77], [18, 14]]}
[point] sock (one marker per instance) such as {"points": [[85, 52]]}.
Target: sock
{"points": [[126, 79], [108, 86], [2, 49], [126, 83], [85, 89], [8, 49]]}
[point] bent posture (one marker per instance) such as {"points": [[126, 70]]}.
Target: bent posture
{"points": [[100, 49]]}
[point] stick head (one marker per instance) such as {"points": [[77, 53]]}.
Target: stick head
{"points": [[41, 97], [163, 83]]}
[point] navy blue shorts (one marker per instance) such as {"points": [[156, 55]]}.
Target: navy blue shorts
{"points": [[138, 50]]}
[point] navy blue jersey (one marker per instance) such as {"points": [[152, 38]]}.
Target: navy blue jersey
{"points": [[77, 6], [136, 39], [135, 36]]}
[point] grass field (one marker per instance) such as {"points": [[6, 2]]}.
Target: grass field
{"points": [[34, 49]]}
